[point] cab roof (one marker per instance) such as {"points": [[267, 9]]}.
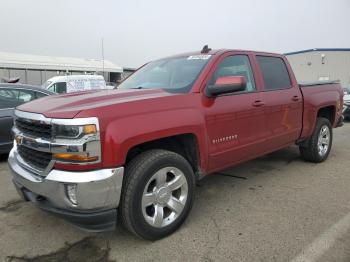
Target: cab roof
{"points": [[221, 51]]}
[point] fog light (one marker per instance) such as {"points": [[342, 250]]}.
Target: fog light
{"points": [[72, 193]]}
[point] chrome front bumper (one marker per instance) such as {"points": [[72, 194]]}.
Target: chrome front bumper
{"points": [[95, 190]]}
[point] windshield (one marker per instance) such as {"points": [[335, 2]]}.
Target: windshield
{"points": [[171, 74], [46, 84]]}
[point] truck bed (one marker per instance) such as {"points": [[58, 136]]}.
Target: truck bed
{"points": [[319, 95]]}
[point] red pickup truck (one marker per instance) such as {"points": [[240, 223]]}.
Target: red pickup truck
{"points": [[139, 150]]}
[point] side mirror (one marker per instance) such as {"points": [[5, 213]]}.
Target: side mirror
{"points": [[226, 84]]}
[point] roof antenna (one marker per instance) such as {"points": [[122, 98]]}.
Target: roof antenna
{"points": [[205, 49]]}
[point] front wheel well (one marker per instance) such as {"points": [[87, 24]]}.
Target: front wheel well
{"points": [[185, 145]]}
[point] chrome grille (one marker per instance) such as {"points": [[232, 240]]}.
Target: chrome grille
{"points": [[35, 158], [34, 128]]}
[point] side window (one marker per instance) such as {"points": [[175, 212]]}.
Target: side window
{"points": [[274, 72], [61, 87], [52, 88], [236, 65], [26, 96], [8, 98]]}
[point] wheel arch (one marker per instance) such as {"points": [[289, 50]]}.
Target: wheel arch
{"points": [[185, 145], [328, 112]]}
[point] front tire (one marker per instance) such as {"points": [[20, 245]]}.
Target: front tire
{"points": [[158, 193], [316, 149]]}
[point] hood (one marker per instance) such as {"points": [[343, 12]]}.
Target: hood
{"points": [[69, 105]]}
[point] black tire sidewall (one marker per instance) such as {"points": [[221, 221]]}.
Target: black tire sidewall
{"points": [[138, 221]]}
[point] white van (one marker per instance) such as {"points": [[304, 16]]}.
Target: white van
{"points": [[74, 83]]}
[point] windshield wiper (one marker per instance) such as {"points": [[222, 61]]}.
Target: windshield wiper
{"points": [[139, 87]]}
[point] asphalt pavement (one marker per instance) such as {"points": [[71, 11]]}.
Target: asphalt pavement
{"points": [[275, 208]]}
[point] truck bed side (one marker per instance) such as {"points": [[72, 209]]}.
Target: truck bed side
{"points": [[323, 99]]}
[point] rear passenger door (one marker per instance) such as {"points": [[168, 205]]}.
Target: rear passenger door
{"points": [[283, 102]]}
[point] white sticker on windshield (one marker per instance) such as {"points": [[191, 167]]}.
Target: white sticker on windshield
{"points": [[198, 57]]}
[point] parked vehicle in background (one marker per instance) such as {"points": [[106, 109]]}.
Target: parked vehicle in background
{"points": [[139, 150], [12, 95], [111, 85], [74, 83], [346, 109]]}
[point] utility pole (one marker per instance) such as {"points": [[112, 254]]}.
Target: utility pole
{"points": [[103, 58]]}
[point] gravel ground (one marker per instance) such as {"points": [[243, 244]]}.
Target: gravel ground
{"points": [[275, 208]]}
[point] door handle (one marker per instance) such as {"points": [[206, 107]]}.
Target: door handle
{"points": [[258, 103], [296, 98]]}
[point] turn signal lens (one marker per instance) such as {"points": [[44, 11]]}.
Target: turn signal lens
{"points": [[75, 157], [90, 129]]}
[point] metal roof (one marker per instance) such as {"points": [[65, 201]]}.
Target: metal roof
{"points": [[25, 61], [318, 49]]}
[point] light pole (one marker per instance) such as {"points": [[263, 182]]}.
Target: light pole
{"points": [[103, 58]]}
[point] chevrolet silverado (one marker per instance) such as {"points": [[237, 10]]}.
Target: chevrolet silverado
{"points": [[136, 153]]}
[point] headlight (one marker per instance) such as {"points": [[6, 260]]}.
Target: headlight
{"points": [[73, 132], [76, 141]]}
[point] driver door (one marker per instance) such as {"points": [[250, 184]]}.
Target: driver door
{"points": [[235, 122]]}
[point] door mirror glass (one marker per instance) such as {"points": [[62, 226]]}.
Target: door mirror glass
{"points": [[226, 85]]}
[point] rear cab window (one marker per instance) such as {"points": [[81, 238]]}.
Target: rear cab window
{"points": [[274, 72]]}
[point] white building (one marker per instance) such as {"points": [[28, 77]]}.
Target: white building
{"points": [[321, 64], [35, 69]]}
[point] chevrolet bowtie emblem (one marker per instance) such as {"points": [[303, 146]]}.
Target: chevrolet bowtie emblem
{"points": [[19, 139]]}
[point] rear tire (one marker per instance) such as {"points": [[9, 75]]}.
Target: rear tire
{"points": [[316, 149], [158, 192]]}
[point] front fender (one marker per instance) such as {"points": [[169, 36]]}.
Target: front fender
{"points": [[123, 134]]}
